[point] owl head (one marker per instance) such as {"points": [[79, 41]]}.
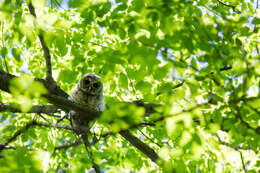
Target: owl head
{"points": [[91, 84]]}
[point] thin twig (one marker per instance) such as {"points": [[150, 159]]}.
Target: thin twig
{"points": [[40, 115], [58, 126], [19, 132], [228, 144], [244, 122], [242, 160], [231, 6], [29, 125], [236, 149], [46, 50], [146, 124], [66, 146], [149, 138], [254, 109], [62, 118], [247, 72], [132, 85]]}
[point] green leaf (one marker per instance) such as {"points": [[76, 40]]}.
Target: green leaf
{"points": [[131, 30], [4, 51], [39, 3], [103, 9], [22, 160], [24, 89], [161, 72], [229, 123], [138, 5], [256, 21], [122, 115], [123, 81], [123, 40], [194, 63], [76, 3], [17, 54], [143, 86], [165, 87], [67, 76], [217, 117]]}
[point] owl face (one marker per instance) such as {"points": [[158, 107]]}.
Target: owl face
{"points": [[91, 84]]}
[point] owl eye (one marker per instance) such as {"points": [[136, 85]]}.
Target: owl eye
{"points": [[96, 85], [87, 82]]}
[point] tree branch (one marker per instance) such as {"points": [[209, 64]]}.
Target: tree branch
{"points": [[66, 146], [58, 126], [16, 134], [228, 144], [4, 146], [46, 109], [150, 139], [46, 50], [236, 149], [79, 142], [29, 125], [67, 105], [58, 97], [51, 86], [242, 160], [230, 6], [149, 152]]}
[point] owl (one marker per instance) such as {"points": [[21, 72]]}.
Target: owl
{"points": [[89, 93]]}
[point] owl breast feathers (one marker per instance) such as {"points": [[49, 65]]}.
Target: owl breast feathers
{"points": [[89, 92]]}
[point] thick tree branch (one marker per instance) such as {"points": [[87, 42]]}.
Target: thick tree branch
{"points": [[46, 50], [51, 86], [46, 109], [149, 152], [4, 146], [149, 107]]}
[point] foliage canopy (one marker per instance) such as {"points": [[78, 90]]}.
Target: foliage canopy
{"points": [[181, 76]]}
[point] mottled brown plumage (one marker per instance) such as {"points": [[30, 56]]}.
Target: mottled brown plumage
{"points": [[88, 92]]}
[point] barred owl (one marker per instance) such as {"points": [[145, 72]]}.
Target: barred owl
{"points": [[88, 92]]}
